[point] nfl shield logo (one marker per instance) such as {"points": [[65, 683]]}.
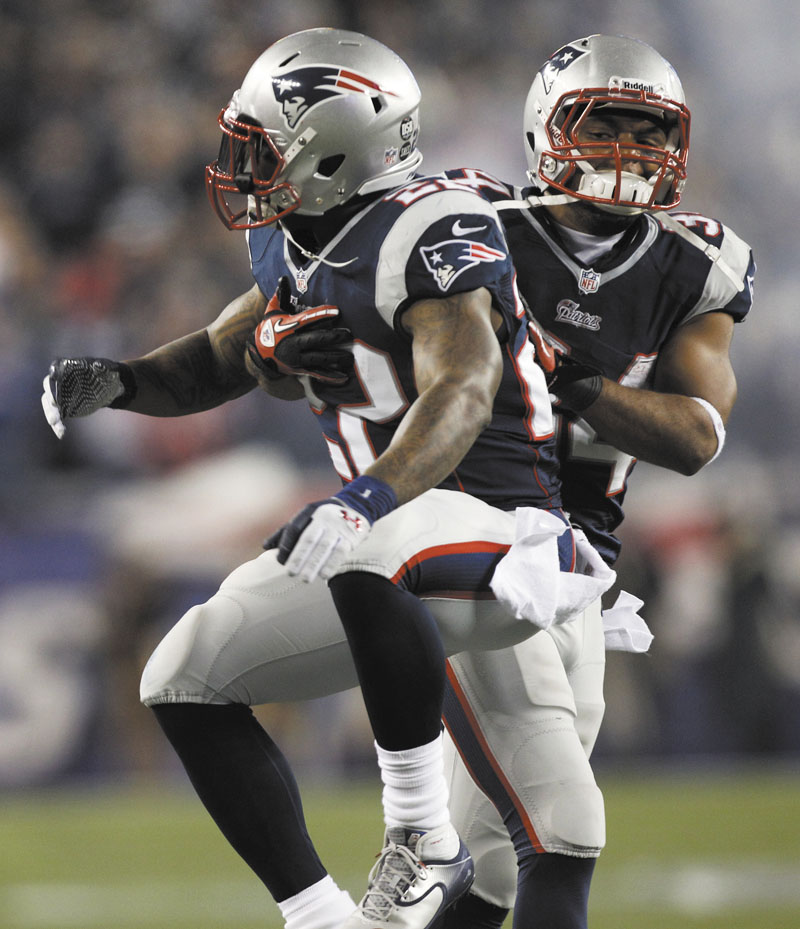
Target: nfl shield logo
{"points": [[300, 281], [589, 281]]}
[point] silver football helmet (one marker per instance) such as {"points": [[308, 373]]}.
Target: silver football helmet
{"points": [[583, 77], [322, 115]]}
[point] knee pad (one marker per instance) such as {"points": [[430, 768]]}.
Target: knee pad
{"points": [[557, 788], [577, 820], [180, 668]]}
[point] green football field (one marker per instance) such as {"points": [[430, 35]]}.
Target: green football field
{"points": [[685, 851]]}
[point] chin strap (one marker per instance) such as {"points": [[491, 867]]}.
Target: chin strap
{"points": [[528, 202]]}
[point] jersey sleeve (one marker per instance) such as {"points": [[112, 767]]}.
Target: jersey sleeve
{"points": [[729, 284], [447, 241]]}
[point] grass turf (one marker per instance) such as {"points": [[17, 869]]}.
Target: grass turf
{"points": [[693, 849]]}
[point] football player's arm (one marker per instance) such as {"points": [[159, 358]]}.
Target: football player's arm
{"points": [[194, 373], [665, 426], [457, 367], [206, 368], [201, 370]]}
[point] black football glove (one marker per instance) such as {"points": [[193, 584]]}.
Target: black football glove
{"points": [[575, 385], [80, 386], [300, 340]]}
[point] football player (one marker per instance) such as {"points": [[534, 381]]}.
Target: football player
{"points": [[318, 163], [637, 303]]}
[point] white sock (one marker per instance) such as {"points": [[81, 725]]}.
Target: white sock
{"points": [[414, 787], [321, 906]]}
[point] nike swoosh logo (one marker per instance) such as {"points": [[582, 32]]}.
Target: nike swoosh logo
{"points": [[460, 230], [280, 325]]}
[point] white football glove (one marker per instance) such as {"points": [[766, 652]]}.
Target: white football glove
{"points": [[319, 539], [316, 542]]}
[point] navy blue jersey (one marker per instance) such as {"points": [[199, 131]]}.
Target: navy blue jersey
{"points": [[616, 315], [428, 239]]}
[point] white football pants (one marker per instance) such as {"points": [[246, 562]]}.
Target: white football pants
{"points": [[265, 637], [530, 715]]}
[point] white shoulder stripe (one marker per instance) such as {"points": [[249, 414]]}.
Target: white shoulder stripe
{"points": [[735, 252], [390, 278], [726, 277], [731, 260]]}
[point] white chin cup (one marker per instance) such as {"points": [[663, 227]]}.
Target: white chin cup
{"points": [[602, 186]]}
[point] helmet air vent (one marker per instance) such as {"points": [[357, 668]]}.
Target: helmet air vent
{"points": [[329, 166]]}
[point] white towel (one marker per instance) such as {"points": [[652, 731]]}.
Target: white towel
{"points": [[528, 578], [624, 629]]}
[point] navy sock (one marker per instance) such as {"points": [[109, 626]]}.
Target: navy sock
{"points": [[247, 786], [553, 892], [398, 655]]}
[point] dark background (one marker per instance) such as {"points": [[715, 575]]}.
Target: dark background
{"points": [[108, 247]]}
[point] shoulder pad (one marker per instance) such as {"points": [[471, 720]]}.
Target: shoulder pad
{"points": [[731, 256]]}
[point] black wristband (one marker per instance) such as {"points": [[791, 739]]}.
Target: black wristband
{"points": [[128, 387]]}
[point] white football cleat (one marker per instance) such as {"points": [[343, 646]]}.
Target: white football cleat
{"points": [[409, 886]]}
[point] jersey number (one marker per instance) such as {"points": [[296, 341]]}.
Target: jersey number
{"points": [[585, 446], [384, 401]]}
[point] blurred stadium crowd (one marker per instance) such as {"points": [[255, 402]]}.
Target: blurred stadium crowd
{"points": [[108, 247]]}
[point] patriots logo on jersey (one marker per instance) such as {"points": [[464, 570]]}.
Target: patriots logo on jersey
{"points": [[447, 260], [300, 90], [570, 312], [562, 59]]}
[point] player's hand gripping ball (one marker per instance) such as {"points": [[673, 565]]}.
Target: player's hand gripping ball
{"points": [[298, 340]]}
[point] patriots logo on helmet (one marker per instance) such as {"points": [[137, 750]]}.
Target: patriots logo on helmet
{"points": [[299, 90], [554, 65], [447, 260]]}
